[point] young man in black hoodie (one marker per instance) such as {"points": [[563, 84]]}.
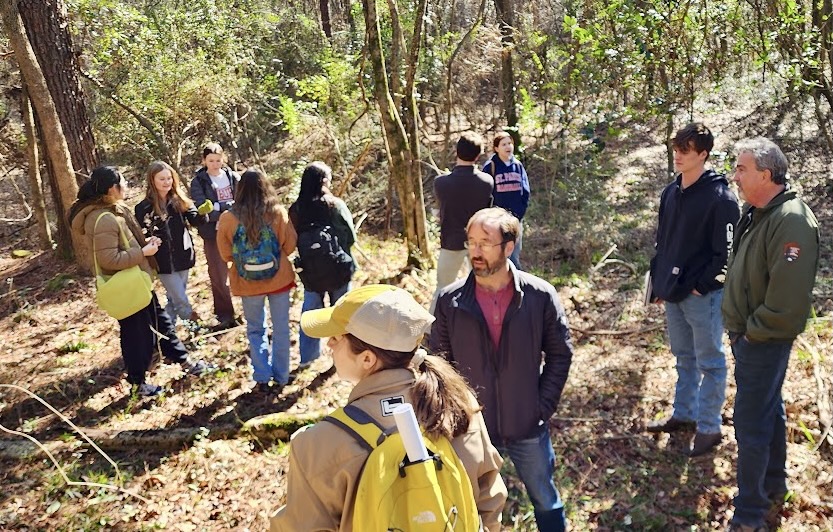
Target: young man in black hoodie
{"points": [[697, 217]]}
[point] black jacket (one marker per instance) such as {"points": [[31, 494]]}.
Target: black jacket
{"points": [[694, 235], [172, 255], [515, 391], [202, 190], [460, 194]]}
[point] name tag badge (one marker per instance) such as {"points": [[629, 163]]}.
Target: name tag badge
{"points": [[390, 403]]}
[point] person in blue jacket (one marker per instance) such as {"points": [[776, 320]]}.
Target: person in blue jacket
{"points": [[697, 218], [511, 185]]}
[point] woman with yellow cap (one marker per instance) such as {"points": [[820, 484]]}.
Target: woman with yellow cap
{"points": [[374, 334]]}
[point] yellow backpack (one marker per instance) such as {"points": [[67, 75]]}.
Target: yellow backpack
{"points": [[396, 495]]}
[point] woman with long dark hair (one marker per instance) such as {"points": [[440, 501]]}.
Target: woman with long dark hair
{"points": [[255, 225], [374, 335], [103, 194], [317, 207]]}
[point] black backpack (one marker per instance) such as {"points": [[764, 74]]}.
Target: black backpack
{"points": [[322, 264]]}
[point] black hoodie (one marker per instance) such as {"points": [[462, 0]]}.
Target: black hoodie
{"points": [[694, 235]]}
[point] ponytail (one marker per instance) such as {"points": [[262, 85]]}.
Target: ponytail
{"points": [[443, 402]]}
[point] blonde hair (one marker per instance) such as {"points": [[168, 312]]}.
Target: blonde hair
{"points": [[177, 195]]}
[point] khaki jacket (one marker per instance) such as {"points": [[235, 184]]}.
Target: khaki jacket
{"points": [[110, 252], [285, 277], [325, 463]]}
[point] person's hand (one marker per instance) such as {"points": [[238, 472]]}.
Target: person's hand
{"points": [[206, 207], [695, 292], [151, 247]]}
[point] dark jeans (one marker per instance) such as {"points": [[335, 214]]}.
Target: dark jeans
{"points": [[218, 273], [138, 340], [534, 461], [760, 427]]}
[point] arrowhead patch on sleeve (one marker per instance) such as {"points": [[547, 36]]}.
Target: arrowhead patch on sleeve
{"points": [[791, 251]]}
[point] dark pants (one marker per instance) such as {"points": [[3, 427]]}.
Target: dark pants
{"points": [[138, 340], [218, 273], [760, 427], [534, 460]]}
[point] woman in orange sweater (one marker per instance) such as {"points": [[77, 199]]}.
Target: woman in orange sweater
{"points": [[257, 237]]}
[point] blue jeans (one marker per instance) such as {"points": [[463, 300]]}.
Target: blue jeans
{"points": [[534, 461], [515, 257], [760, 427], [254, 309], [695, 331], [311, 347], [178, 305]]}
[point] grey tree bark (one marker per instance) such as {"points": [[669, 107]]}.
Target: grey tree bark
{"points": [[35, 182], [55, 142]]}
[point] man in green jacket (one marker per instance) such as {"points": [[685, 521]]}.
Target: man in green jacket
{"points": [[767, 298]]}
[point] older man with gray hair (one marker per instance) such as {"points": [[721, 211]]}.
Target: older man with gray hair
{"points": [[767, 299]]}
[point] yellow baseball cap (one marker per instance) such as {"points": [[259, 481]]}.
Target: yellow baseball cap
{"points": [[381, 315]]}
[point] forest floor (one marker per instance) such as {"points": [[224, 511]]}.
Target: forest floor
{"points": [[613, 475]]}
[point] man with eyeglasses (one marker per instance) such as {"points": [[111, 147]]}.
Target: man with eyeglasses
{"points": [[505, 330]]}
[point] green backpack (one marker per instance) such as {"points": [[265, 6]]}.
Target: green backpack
{"points": [[396, 495], [256, 262]]}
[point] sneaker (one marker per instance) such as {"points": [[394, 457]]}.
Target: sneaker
{"points": [[147, 390], [262, 388], [198, 368], [703, 443], [304, 365], [670, 424]]}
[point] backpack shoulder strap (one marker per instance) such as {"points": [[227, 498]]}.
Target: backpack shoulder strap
{"points": [[360, 425]]}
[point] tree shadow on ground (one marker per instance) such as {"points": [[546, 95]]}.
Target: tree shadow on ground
{"points": [[615, 475], [249, 405], [60, 394]]}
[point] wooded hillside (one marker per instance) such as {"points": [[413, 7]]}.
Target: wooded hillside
{"points": [[591, 92]]}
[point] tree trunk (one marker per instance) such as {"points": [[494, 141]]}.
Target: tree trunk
{"points": [[397, 45], [505, 10], [48, 30], [400, 156], [35, 183], [326, 25], [55, 142], [411, 122]]}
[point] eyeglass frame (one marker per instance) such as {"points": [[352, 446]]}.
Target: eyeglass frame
{"points": [[484, 246]]}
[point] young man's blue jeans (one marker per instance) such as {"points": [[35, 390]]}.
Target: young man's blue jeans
{"points": [[311, 347], [515, 257], [760, 427], [254, 309], [534, 461], [178, 305], [695, 332]]}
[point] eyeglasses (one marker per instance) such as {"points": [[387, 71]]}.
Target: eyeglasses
{"points": [[485, 246]]}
